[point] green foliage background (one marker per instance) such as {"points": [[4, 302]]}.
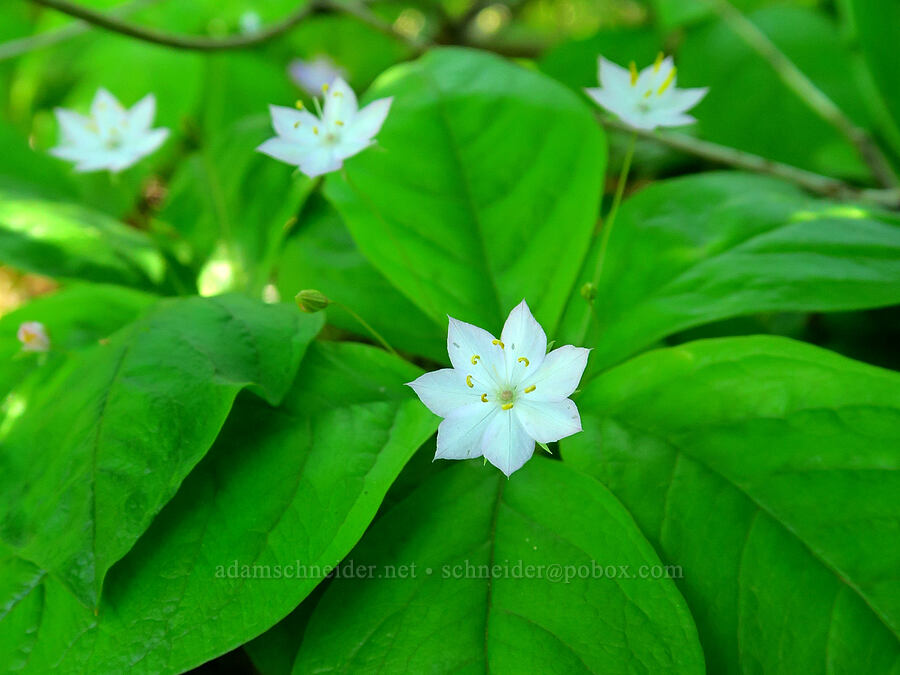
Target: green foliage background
{"points": [[741, 407]]}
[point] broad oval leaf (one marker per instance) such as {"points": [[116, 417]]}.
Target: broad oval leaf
{"points": [[426, 601], [768, 470], [693, 250], [105, 443], [482, 190], [289, 488], [69, 241]]}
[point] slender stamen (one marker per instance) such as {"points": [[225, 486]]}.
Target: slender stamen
{"points": [[530, 389], [507, 406], [524, 360], [634, 73], [658, 62], [475, 358], [497, 342], [484, 398], [299, 104], [469, 381], [669, 80]]}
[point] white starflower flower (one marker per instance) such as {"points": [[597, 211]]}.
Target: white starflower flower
{"points": [[320, 144], [312, 75], [33, 337], [111, 137], [502, 396], [648, 99]]}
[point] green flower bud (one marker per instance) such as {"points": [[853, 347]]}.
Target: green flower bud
{"points": [[310, 300]]}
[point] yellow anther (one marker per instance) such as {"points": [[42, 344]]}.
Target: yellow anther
{"points": [[324, 88], [339, 123], [484, 398], [522, 359], [469, 381], [634, 73], [338, 94], [296, 124], [475, 358], [299, 104], [658, 62], [497, 342], [530, 389], [506, 406], [669, 80], [648, 93], [316, 130]]}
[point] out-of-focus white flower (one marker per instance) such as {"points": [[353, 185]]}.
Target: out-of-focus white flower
{"points": [[646, 99], [502, 395], [312, 75], [318, 145], [33, 337], [249, 22], [111, 137]]}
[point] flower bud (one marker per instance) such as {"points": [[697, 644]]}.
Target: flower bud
{"points": [[589, 292], [310, 300]]}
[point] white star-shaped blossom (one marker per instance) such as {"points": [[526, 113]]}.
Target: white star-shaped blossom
{"points": [[111, 137], [320, 144], [648, 99], [33, 337], [502, 395]]}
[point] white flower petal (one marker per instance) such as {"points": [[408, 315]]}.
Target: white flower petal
{"points": [[612, 76], [678, 120], [444, 390], [682, 100], [106, 110], [76, 129], [340, 104], [505, 443], [294, 125], [460, 434], [283, 150], [548, 421], [141, 115], [369, 120], [148, 142], [93, 161], [465, 342], [319, 161], [559, 375], [614, 103], [523, 338]]}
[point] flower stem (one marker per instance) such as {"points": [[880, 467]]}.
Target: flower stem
{"points": [[607, 230], [365, 324]]}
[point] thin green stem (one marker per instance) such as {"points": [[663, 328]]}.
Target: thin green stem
{"points": [[607, 231], [365, 324]]}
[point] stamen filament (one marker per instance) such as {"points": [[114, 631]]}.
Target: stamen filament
{"points": [[634, 73], [669, 80], [659, 59]]}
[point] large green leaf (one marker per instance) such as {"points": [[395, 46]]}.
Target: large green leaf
{"points": [[130, 418], [70, 241], [750, 108], [292, 488], [322, 255], [74, 317], [697, 249], [483, 188], [453, 611], [768, 470]]}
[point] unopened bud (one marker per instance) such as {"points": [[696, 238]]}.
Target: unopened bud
{"points": [[589, 292], [310, 300]]}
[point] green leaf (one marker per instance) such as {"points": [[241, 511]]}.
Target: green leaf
{"points": [[322, 255], [131, 418], [69, 241], [692, 250], [768, 470], [482, 190], [75, 317], [430, 605], [748, 106], [294, 487]]}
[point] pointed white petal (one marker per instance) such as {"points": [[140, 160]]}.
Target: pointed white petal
{"points": [[94, 161], [682, 100], [465, 342], [442, 391], [294, 125], [283, 150], [106, 110], [460, 434], [612, 76], [340, 104], [348, 147], [678, 120], [76, 129], [368, 121], [319, 161], [548, 421], [148, 142], [559, 375], [523, 338], [141, 115], [615, 103], [506, 444]]}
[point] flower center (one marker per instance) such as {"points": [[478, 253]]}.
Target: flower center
{"points": [[506, 395]]}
